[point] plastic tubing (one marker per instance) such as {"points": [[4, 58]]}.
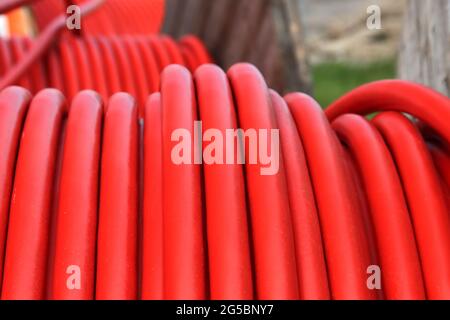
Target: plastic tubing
{"points": [[162, 57], [140, 76], [198, 49], [183, 219], [230, 270], [14, 103], [76, 230], [429, 213], [97, 68], [83, 64], [70, 70], [397, 95], [402, 273], [118, 215], [37, 75], [54, 73], [124, 66], [28, 232], [110, 66], [18, 52], [346, 246], [150, 64], [441, 158], [152, 250], [274, 249], [172, 49], [43, 43], [311, 265]]}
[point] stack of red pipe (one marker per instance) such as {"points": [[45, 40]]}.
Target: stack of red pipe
{"points": [[92, 187], [105, 64], [130, 17], [93, 206]]}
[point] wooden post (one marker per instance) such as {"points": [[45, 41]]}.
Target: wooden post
{"points": [[425, 47], [267, 33]]}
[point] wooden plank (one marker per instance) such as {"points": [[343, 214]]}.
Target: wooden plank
{"points": [[424, 52], [291, 43], [267, 33]]}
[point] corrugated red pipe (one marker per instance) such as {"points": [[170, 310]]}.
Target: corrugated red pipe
{"points": [[93, 188], [105, 64]]}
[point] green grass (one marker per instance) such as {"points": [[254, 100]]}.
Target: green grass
{"points": [[332, 80]]}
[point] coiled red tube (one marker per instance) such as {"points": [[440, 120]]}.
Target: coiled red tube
{"points": [[429, 213], [348, 194], [76, 230], [118, 218], [29, 221], [152, 251], [311, 265], [276, 275], [346, 245], [394, 232], [230, 272], [105, 64], [183, 219], [13, 108]]}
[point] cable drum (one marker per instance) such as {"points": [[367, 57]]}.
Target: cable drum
{"points": [[350, 193]]}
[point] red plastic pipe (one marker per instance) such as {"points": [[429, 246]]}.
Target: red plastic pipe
{"points": [[311, 265], [346, 246], [425, 200], [396, 244], [152, 250], [76, 230], [13, 108], [184, 252], [230, 270], [118, 215], [29, 222], [274, 249]]}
